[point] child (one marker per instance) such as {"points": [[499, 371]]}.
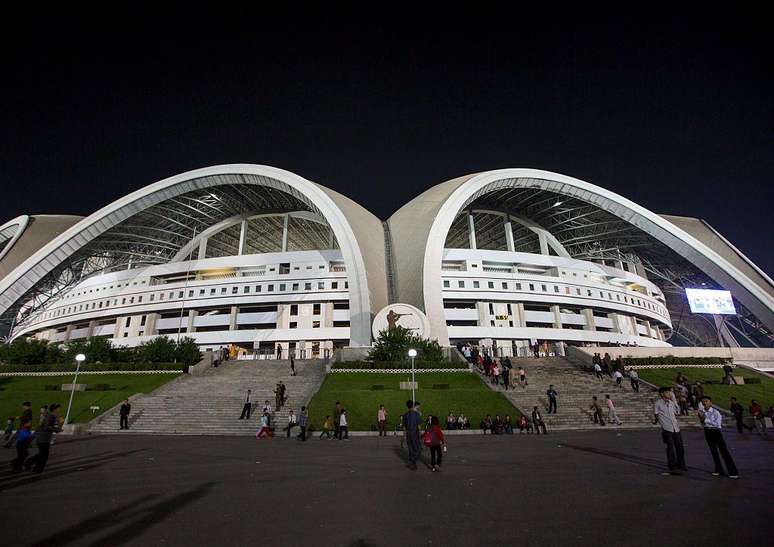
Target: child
{"points": [[9, 427], [437, 444], [265, 429], [327, 428]]}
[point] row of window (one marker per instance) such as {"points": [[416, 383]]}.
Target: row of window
{"points": [[543, 287], [192, 293]]}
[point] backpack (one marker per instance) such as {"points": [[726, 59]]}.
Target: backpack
{"points": [[427, 438]]}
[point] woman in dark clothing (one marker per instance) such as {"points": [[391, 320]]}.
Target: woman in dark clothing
{"points": [[437, 445]]}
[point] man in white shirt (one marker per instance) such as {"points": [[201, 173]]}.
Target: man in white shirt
{"points": [[292, 422], [665, 414], [712, 421], [598, 371], [634, 379]]}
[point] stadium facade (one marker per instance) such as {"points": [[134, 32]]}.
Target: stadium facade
{"points": [[266, 260]]}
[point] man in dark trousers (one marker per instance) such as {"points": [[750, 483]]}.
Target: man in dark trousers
{"points": [[292, 365], [336, 419], [537, 420], [124, 412], [412, 420], [712, 421], [43, 437], [738, 411], [551, 399], [247, 407], [665, 414]]}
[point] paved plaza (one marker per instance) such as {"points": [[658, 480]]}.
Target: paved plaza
{"points": [[568, 488]]}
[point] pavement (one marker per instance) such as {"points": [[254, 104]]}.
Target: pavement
{"points": [[566, 488]]}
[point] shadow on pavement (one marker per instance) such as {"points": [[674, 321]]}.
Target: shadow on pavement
{"points": [[133, 518]]}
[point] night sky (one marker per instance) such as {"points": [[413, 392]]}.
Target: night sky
{"points": [[672, 112]]}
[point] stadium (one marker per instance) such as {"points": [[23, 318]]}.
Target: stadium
{"points": [[271, 263]]}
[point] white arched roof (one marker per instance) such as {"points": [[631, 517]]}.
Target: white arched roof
{"points": [[348, 221], [11, 231], [429, 217]]}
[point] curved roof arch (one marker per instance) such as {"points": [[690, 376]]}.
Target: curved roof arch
{"points": [[429, 217], [350, 223], [10, 232]]}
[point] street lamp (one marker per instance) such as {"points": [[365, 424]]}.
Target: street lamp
{"points": [[80, 358], [412, 353]]}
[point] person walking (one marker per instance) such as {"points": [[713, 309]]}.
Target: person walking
{"points": [[247, 407], [738, 411], [551, 399], [336, 419], [612, 415], [126, 409], [665, 413], [279, 352], [618, 377], [412, 420], [381, 419], [759, 418], [302, 420], [23, 441], [343, 426], [43, 437], [292, 365], [596, 411], [634, 380], [712, 421], [728, 377], [598, 371], [265, 429], [437, 445], [292, 422], [537, 420], [522, 377], [327, 428]]}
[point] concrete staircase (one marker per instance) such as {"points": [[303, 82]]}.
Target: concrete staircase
{"points": [[575, 387], [210, 403]]}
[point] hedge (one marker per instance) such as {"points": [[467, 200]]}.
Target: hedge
{"points": [[382, 365], [86, 367], [671, 360]]}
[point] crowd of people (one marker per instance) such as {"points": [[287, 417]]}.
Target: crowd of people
{"points": [[21, 438]]}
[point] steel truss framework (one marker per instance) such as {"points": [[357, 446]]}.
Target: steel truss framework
{"points": [[590, 233], [156, 234]]}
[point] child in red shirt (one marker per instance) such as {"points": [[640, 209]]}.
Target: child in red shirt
{"points": [[437, 444]]}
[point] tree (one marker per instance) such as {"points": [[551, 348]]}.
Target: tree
{"points": [[187, 352], [392, 345]]}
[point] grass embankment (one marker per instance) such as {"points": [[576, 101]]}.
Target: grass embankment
{"points": [[720, 394], [14, 390], [466, 394]]}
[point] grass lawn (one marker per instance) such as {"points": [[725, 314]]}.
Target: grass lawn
{"points": [[14, 390], [721, 394], [466, 394]]}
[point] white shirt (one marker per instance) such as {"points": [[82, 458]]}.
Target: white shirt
{"points": [[666, 413], [267, 408], [633, 374], [343, 421], [618, 374], [597, 367], [712, 418], [292, 418]]}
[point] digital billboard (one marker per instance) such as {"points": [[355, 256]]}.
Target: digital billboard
{"points": [[710, 301]]}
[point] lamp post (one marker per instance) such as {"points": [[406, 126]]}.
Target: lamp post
{"points": [[412, 353], [80, 358]]}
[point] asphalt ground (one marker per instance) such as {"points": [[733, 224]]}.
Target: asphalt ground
{"points": [[567, 488]]}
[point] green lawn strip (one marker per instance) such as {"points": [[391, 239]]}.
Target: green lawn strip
{"points": [[466, 394], [721, 394], [14, 390]]}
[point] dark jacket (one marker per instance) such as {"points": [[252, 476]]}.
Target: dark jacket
{"points": [[125, 409], [46, 432]]}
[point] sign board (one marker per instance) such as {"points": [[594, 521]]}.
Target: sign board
{"points": [[710, 301]]}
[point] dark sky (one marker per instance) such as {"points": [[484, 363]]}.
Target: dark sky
{"points": [[672, 112]]}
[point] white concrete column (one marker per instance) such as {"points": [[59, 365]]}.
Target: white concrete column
{"points": [[471, 231], [285, 233], [191, 321], [521, 320], [92, 326], [150, 323], [202, 249], [588, 314], [543, 243], [509, 234], [617, 322], [557, 317], [648, 329], [635, 326], [232, 320], [68, 332], [242, 236]]}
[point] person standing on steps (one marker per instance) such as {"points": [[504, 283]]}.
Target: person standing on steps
{"points": [[506, 375], [336, 418], [343, 426], [738, 411], [712, 421], [292, 365], [292, 422], [537, 419], [412, 420], [596, 411], [551, 399], [302, 419], [612, 415], [598, 371], [665, 414], [522, 377], [124, 412], [381, 419], [279, 352], [607, 365], [618, 378], [634, 380], [268, 411], [265, 429], [247, 407]]}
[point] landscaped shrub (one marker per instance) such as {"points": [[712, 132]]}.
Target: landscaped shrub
{"points": [[392, 345], [671, 360], [86, 366], [406, 364]]}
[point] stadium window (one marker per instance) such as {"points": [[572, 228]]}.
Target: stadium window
{"points": [[505, 285], [100, 307], [518, 286], [223, 290], [128, 319], [293, 325], [307, 286], [270, 288], [131, 300], [588, 292], [346, 284], [142, 320], [543, 288], [509, 309], [490, 284], [295, 286], [461, 284], [212, 291], [601, 295], [556, 288], [246, 289], [316, 309], [510, 323], [282, 287], [201, 292], [234, 290], [491, 323], [321, 285], [531, 287], [257, 288], [618, 297], [315, 324], [334, 284], [475, 284], [152, 298], [445, 283], [123, 301], [294, 309], [577, 291]]}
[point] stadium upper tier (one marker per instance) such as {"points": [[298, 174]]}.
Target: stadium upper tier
{"points": [[264, 259]]}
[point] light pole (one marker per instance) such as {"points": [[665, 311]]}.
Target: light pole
{"points": [[412, 353], [80, 358]]}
